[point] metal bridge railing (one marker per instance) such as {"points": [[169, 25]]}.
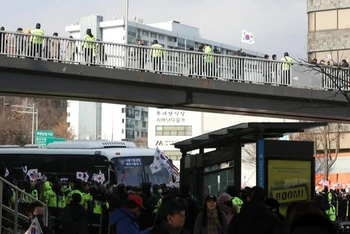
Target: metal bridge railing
{"points": [[121, 56], [168, 61], [13, 219]]}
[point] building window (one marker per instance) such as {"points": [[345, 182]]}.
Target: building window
{"points": [[326, 20], [344, 18], [323, 55], [122, 120], [181, 43], [68, 114], [161, 37], [144, 124], [154, 35], [145, 33], [144, 134], [174, 155], [68, 124], [190, 44], [123, 110], [162, 130], [137, 113], [170, 39], [122, 131], [130, 134], [132, 31], [130, 113], [130, 123], [311, 17]]}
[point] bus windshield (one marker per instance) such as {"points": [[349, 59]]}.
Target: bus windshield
{"points": [[132, 171]]}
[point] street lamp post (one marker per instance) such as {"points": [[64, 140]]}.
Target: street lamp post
{"points": [[126, 21], [35, 117]]}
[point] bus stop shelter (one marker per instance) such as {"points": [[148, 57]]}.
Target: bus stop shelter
{"points": [[211, 171]]}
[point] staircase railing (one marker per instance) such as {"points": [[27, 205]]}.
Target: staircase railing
{"points": [[14, 219]]}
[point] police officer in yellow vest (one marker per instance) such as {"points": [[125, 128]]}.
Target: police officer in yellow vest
{"points": [[49, 196], [287, 64], [78, 187], [331, 212], [89, 46], [232, 191], [36, 41], [208, 61], [157, 56], [65, 189]]}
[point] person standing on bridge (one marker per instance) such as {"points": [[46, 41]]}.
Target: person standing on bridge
{"points": [[89, 47], [36, 40], [157, 56], [208, 59], [287, 64]]}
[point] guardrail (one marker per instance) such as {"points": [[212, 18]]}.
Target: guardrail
{"points": [[14, 220], [166, 61]]}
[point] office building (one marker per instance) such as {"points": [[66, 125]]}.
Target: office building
{"points": [[329, 29], [171, 34], [92, 121]]}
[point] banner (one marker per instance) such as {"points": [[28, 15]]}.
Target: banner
{"points": [[289, 181]]}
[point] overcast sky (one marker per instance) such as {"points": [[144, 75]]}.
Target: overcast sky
{"points": [[278, 25]]}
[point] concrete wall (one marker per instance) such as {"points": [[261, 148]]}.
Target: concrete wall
{"points": [[327, 40], [320, 5]]}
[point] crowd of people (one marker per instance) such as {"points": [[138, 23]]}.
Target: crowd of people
{"points": [[88, 207]]}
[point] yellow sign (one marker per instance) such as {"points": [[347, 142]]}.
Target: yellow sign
{"points": [[290, 195], [289, 181]]}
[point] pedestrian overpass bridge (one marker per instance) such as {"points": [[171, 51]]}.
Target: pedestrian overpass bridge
{"points": [[129, 74]]}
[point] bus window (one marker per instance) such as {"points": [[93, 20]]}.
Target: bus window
{"points": [[135, 170], [79, 163], [48, 164]]}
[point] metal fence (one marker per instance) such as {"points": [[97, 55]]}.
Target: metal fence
{"points": [[166, 61], [335, 78], [15, 219]]}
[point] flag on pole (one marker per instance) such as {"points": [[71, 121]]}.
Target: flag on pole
{"points": [[157, 164], [34, 227], [247, 37], [84, 176]]}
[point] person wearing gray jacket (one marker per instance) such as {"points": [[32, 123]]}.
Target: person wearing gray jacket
{"points": [[212, 220]]}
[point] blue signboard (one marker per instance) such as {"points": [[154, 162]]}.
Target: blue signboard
{"points": [[261, 164], [130, 162]]}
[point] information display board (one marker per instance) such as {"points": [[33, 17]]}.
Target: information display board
{"points": [[288, 181]]}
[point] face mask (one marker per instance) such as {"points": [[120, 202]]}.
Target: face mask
{"points": [[160, 191], [40, 217], [137, 212]]}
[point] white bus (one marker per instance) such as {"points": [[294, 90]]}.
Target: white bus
{"points": [[120, 161]]}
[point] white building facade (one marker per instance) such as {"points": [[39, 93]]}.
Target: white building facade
{"points": [[165, 127], [171, 34]]}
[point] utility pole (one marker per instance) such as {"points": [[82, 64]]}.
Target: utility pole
{"points": [[126, 21], [35, 117]]}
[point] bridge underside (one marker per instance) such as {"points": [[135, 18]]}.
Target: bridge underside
{"points": [[24, 77]]}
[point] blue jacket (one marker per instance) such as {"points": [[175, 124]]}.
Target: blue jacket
{"points": [[125, 222]]}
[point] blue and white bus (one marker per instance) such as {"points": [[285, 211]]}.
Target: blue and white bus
{"points": [[120, 161]]}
